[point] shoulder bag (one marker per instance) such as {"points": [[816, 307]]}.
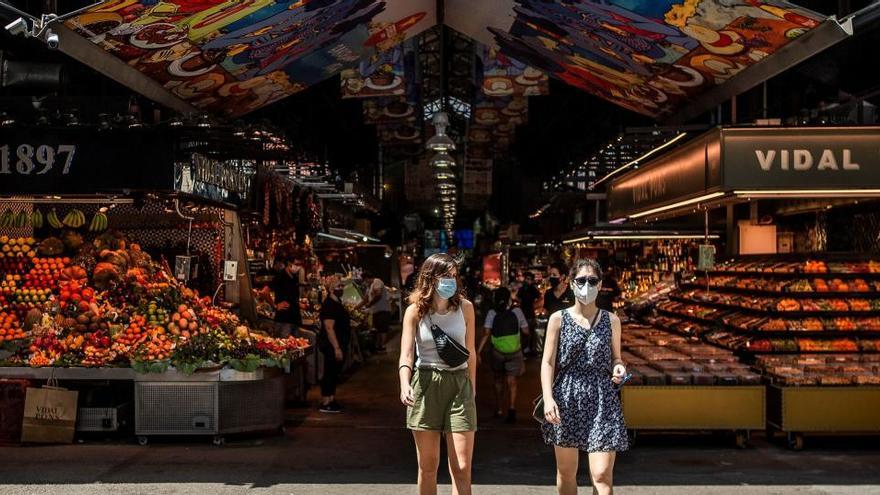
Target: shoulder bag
{"points": [[450, 351], [538, 409]]}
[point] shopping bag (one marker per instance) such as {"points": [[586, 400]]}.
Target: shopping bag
{"points": [[49, 414]]}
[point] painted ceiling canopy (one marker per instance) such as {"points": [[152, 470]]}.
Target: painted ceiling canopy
{"points": [[234, 56], [650, 56]]}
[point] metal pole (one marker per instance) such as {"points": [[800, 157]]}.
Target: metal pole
{"points": [[764, 110], [706, 241], [733, 110]]}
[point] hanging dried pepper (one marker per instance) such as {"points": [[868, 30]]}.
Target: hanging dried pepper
{"points": [[267, 186]]}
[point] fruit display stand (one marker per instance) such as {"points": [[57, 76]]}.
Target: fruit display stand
{"points": [[95, 308], [810, 327], [796, 411], [682, 385], [695, 408]]}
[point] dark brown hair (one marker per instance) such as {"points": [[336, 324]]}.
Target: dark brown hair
{"points": [[435, 267], [585, 262]]}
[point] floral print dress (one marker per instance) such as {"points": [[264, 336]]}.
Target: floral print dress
{"points": [[589, 403]]}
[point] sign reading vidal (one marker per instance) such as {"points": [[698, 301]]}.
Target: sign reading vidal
{"points": [[806, 158]]}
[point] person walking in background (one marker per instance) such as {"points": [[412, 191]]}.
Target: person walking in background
{"points": [[558, 296], [333, 341], [580, 370], [528, 295], [610, 290], [439, 395], [409, 285], [503, 326], [378, 303]]}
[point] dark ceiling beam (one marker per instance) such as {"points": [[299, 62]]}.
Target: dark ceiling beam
{"points": [[88, 53]]}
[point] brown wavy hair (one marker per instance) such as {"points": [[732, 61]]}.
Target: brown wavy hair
{"points": [[434, 268]]}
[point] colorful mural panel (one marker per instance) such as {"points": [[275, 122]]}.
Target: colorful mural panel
{"points": [[389, 109], [650, 56], [234, 56], [384, 73], [504, 76]]}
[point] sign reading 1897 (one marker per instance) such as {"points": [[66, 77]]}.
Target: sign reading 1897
{"points": [[27, 159]]}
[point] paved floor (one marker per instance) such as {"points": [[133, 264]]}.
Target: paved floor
{"points": [[366, 451]]}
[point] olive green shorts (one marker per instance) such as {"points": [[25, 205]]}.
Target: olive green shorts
{"points": [[444, 401]]}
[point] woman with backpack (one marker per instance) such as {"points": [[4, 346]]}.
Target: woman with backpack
{"points": [[503, 326]]}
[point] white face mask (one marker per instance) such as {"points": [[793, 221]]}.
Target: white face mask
{"points": [[586, 294]]}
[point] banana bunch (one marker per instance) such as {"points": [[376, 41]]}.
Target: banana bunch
{"points": [[37, 219], [23, 219], [11, 219], [6, 219], [53, 220], [99, 222], [74, 219]]}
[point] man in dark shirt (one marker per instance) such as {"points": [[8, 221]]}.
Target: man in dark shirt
{"points": [[528, 295], [286, 288], [333, 342], [558, 295]]}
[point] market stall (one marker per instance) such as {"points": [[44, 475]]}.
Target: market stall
{"points": [[130, 275], [682, 384], [799, 313]]}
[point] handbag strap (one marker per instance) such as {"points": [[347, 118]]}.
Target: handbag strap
{"points": [[580, 349]]}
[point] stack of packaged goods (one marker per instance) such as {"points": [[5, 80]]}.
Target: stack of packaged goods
{"points": [[657, 357], [821, 369]]}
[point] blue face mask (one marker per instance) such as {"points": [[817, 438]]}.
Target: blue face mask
{"points": [[446, 287]]}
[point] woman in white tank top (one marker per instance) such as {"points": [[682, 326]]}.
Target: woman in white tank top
{"points": [[439, 397]]}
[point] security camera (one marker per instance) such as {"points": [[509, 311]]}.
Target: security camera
{"points": [[18, 27], [52, 40]]}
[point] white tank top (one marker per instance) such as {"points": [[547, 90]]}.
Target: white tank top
{"points": [[426, 350]]}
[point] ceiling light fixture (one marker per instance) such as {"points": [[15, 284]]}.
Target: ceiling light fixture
{"points": [[440, 141], [444, 175], [699, 199], [806, 193], [442, 160], [639, 237], [40, 28], [635, 162]]}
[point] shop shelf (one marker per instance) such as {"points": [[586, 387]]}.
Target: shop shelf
{"points": [[845, 409], [777, 313], [701, 408], [792, 275], [770, 333], [780, 294]]}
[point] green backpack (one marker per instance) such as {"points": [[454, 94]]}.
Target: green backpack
{"points": [[505, 332]]}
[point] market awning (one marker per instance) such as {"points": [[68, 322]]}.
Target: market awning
{"points": [[660, 58], [741, 163]]}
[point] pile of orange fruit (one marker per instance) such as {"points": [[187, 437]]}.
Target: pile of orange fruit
{"points": [[157, 347], [10, 327]]}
